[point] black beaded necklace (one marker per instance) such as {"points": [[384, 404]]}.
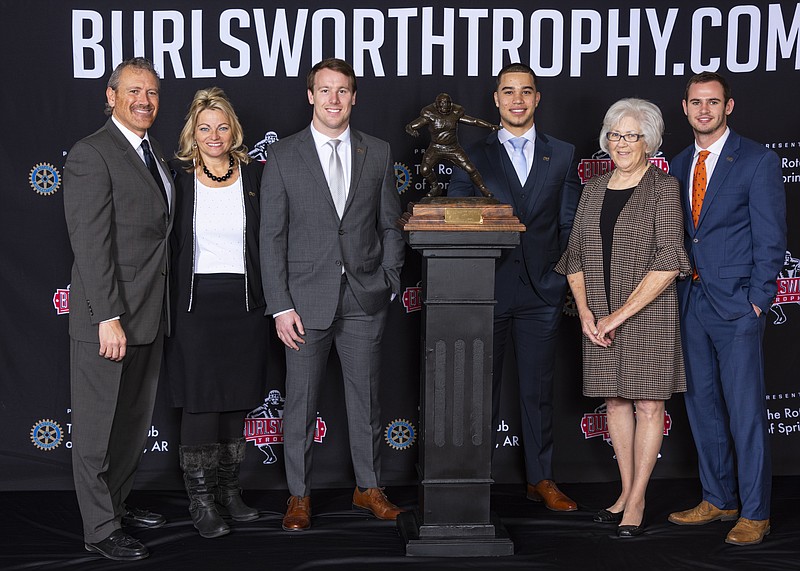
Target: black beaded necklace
{"points": [[224, 177]]}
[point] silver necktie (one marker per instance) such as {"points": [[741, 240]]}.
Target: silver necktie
{"points": [[336, 178]]}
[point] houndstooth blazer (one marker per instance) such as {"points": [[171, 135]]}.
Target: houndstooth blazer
{"points": [[645, 361]]}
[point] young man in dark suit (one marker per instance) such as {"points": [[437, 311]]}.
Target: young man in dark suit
{"points": [[117, 194], [537, 175]]}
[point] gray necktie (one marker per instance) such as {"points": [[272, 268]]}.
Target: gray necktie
{"points": [[518, 158], [336, 178]]}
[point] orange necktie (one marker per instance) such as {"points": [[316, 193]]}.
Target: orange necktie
{"points": [[699, 183]]}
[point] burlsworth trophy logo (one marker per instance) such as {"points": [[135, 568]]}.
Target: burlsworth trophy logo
{"points": [[259, 150], [44, 179], [400, 434], [61, 300], [47, 435], [788, 287], [263, 426], [601, 163], [412, 298], [595, 424]]}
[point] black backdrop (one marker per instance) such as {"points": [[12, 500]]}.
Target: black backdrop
{"points": [[57, 58]]}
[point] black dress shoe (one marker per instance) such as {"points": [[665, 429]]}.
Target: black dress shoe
{"points": [[630, 530], [605, 516], [119, 546], [135, 517]]}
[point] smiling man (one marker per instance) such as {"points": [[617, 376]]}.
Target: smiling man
{"points": [[735, 234], [331, 258], [538, 176], [117, 196]]}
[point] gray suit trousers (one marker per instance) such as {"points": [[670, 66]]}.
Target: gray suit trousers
{"points": [[112, 408], [357, 337]]}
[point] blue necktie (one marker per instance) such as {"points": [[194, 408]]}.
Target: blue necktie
{"points": [[518, 158]]}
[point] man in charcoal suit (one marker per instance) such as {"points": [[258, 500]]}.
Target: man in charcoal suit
{"points": [[117, 195], [331, 260]]}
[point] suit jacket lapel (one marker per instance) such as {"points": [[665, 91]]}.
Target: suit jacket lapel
{"points": [[727, 158], [680, 170], [539, 169], [494, 158], [132, 156], [308, 152], [358, 156]]}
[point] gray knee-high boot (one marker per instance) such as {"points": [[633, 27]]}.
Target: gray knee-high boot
{"points": [[199, 465], [229, 494]]}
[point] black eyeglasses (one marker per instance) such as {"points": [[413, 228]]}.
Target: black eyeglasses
{"points": [[629, 137]]}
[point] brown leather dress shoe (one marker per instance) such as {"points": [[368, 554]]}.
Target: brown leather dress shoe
{"points": [[703, 513], [554, 499], [748, 532], [298, 514], [375, 501]]}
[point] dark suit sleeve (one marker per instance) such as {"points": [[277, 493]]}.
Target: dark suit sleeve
{"points": [[768, 222], [88, 208], [461, 184], [274, 235], [570, 195], [391, 237]]}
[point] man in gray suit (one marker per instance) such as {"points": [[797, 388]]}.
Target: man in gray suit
{"points": [[117, 204], [331, 260]]}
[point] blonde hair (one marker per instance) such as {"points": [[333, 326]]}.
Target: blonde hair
{"points": [[210, 98]]}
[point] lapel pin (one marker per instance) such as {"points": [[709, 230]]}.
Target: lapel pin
{"points": [[730, 159], [251, 193], [359, 150], [545, 158]]}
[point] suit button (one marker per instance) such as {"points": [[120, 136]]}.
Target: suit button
{"points": [[516, 261], [341, 232], [338, 262], [696, 241]]}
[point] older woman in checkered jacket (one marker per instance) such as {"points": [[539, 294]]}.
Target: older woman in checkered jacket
{"points": [[624, 255]]}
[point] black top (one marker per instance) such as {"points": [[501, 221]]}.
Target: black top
{"points": [[613, 203]]}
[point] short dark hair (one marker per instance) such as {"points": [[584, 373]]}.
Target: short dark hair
{"points": [[334, 64], [140, 63], [517, 68], [707, 77]]}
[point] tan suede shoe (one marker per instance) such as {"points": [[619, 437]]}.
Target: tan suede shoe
{"points": [[748, 532], [298, 514], [702, 514]]}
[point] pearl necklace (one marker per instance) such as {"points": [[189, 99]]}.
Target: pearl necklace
{"points": [[224, 177]]}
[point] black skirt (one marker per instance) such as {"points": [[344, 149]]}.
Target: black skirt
{"points": [[215, 359]]}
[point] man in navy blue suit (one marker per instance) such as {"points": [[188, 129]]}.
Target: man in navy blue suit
{"points": [[735, 219], [537, 175]]}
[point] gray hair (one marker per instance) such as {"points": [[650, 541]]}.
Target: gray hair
{"points": [[646, 113], [140, 63]]}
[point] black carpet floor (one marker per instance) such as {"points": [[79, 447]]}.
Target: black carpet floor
{"points": [[42, 530]]}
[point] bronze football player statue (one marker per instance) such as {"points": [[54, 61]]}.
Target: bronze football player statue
{"points": [[442, 118]]}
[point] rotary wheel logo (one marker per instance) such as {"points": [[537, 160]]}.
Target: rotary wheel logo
{"points": [[46, 435], [44, 179], [402, 177], [400, 434]]}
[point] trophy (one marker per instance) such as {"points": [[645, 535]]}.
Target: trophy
{"points": [[442, 118]]}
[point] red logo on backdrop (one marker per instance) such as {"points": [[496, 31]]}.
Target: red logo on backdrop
{"points": [[261, 431], [412, 298], [601, 163], [788, 287], [61, 301], [595, 424]]}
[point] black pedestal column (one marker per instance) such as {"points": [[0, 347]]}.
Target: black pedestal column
{"points": [[454, 518]]}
